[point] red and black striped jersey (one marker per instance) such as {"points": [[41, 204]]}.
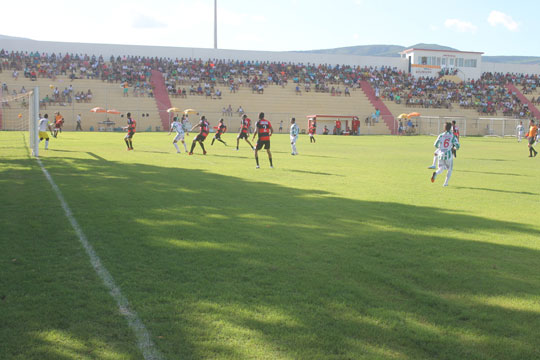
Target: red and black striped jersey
{"points": [[132, 125], [221, 129], [263, 129], [245, 125], [205, 128]]}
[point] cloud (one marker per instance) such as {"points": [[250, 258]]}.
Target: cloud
{"points": [[460, 25], [147, 22], [499, 18]]}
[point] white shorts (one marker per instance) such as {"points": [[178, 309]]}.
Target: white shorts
{"points": [[179, 136], [293, 139], [446, 164]]}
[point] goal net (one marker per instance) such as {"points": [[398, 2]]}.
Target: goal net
{"points": [[20, 112]]}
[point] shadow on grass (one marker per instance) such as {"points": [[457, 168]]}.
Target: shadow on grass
{"points": [[221, 267], [498, 190]]}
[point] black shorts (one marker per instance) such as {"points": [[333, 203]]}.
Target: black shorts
{"points": [[200, 137], [532, 140], [130, 134], [243, 135], [261, 143], [217, 136]]}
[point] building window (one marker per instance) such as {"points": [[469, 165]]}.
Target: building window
{"points": [[443, 61], [459, 62]]}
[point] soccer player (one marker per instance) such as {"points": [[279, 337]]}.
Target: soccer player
{"points": [[244, 132], [58, 123], [179, 128], [294, 135], [43, 127], [455, 130], [204, 127], [131, 126], [445, 143], [263, 128], [312, 131], [531, 136], [519, 131], [220, 130]]}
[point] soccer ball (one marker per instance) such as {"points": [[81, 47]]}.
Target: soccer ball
{"points": [[20, 116]]}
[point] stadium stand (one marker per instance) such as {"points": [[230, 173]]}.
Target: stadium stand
{"points": [[147, 87]]}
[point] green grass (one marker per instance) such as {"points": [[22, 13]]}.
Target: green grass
{"points": [[346, 251]]}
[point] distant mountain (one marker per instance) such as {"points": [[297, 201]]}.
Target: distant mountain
{"points": [[377, 50], [394, 50], [525, 60], [5, 37]]}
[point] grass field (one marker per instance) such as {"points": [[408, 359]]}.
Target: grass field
{"points": [[346, 251]]}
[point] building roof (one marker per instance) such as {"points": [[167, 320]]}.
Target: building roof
{"points": [[451, 51]]}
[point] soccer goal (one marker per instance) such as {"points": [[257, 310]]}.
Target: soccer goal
{"points": [[499, 127], [20, 112], [434, 125]]}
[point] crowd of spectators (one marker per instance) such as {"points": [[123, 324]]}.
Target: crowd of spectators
{"points": [[196, 77], [487, 95]]}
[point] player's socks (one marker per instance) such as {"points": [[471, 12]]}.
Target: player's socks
{"points": [[47, 144], [222, 142], [127, 144], [257, 160], [434, 161], [130, 144], [177, 148], [192, 147], [270, 158], [212, 143], [202, 145], [185, 146]]}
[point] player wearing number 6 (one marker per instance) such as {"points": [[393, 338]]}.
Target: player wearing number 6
{"points": [[445, 143], [264, 131]]}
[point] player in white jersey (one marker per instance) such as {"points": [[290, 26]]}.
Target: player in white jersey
{"points": [[178, 127], [43, 127], [294, 136], [445, 143], [519, 131]]}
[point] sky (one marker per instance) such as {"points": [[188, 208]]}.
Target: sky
{"points": [[494, 27]]}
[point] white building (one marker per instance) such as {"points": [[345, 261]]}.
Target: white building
{"points": [[430, 63]]}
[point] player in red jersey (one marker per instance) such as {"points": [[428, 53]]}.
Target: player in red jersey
{"points": [[132, 125], [244, 131], [221, 128], [264, 130], [58, 123], [312, 131], [204, 130]]}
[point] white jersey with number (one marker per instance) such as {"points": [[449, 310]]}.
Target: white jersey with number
{"points": [[444, 144], [520, 129], [43, 125], [294, 130]]}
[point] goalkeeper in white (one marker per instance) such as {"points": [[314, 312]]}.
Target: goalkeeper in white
{"points": [[177, 126], [294, 136], [445, 142]]}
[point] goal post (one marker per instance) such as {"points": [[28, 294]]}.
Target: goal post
{"points": [[20, 112], [33, 121]]}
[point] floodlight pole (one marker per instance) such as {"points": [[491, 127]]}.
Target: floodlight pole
{"points": [[215, 24]]}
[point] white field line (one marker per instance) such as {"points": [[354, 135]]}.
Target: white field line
{"points": [[144, 341]]}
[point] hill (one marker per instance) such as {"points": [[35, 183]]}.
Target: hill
{"points": [[394, 50], [377, 50]]}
